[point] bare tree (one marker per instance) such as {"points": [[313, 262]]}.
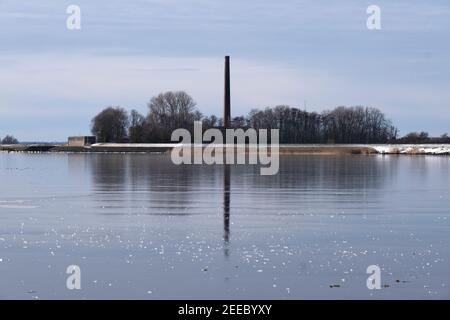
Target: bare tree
{"points": [[210, 122], [137, 128], [110, 125], [9, 140], [169, 111]]}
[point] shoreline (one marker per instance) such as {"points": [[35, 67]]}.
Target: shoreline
{"points": [[284, 149]]}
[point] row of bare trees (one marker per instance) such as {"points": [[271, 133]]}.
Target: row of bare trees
{"points": [[167, 111], [423, 137], [341, 125], [172, 110]]}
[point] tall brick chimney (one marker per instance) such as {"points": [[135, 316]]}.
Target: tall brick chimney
{"points": [[227, 97]]}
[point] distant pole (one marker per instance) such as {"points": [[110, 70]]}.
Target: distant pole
{"points": [[227, 98]]}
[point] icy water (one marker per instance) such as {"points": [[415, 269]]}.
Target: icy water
{"points": [[140, 227]]}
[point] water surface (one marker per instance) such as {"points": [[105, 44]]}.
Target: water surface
{"points": [[141, 227]]}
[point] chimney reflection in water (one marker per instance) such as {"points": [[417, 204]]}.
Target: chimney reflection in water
{"points": [[226, 209]]}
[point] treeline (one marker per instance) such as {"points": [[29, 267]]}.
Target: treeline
{"points": [[341, 125], [167, 112], [422, 137], [172, 110]]}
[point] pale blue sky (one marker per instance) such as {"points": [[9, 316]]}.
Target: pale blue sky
{"points": [[53, 81]]}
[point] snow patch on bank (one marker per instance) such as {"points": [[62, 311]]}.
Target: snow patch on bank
{"points": [[413, 148]]}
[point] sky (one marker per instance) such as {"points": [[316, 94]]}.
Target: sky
{"points": [[319, 54]]}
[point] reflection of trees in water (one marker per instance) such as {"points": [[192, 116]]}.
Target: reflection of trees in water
{"points": [[153, 182], [191, 188], [320, 184], [172, 189], [109, 172], [78, 166], [329, 172]]}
